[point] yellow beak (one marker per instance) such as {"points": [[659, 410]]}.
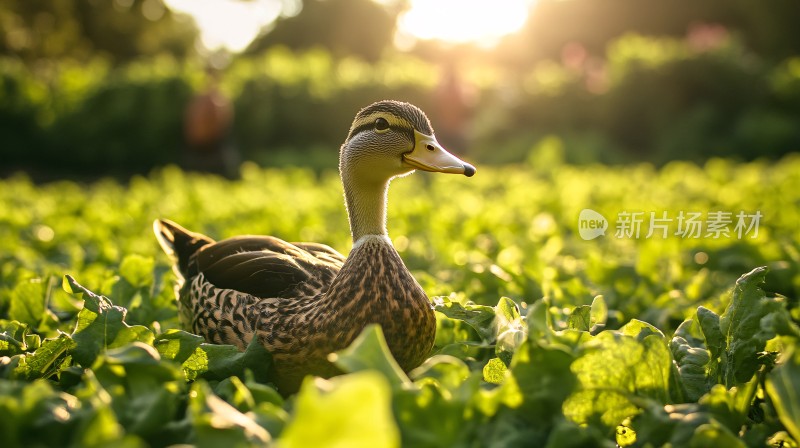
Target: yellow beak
{"points": [[428, 155]]}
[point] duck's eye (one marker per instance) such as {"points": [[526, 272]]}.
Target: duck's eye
{"points": [[381, 124]]}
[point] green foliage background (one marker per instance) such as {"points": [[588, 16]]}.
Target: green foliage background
{"points": [[543, 338], [657, 99]]}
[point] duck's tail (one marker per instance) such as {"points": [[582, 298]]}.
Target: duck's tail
{"points": [[180, 244]]}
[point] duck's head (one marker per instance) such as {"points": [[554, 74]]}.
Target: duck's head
{"points": [[391, 138]]}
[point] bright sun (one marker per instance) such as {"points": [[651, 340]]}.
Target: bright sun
{"points": [[233, 24], [460, 21]]}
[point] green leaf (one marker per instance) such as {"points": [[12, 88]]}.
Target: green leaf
{"points": [[217, 423], [712, 434], [101, 325], [494, 371], [217, 362], [261, 392], [46, 360], [14, 338], [145, 391], [714, 342], [613, 370], [723, 405], [692, 360], [569, 435], [741, 327], [234, 391], [625, 436], [709, 326], [640, 330], [544, 379], [510, 329], [33, 414], [580, 318], [670, 425], [783, 387], [98, 425], [479, 317], [326, 415], [432, 415], [780, 322], [370, 352], [506, 310], [177, 345], [28, 303], [539, 319], [599, 314], [448, 371]]}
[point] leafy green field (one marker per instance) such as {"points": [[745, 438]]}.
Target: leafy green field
{"points": [[543, 339]]}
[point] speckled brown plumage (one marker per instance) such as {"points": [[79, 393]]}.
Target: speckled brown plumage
{"points": [[304, 301], [301, 323]]}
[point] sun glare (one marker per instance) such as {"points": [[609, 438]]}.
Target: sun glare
{"points": [[230, 24], [233, 24], [460, 21]]}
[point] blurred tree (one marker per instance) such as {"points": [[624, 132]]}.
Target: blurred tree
{"points": [[768, 27], [344, 27], [120, 30]]}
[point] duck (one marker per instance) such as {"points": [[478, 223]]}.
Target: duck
{"points": [[304, 301]]}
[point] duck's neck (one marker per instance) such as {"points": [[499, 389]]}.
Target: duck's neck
{"points": [[366, 206]]}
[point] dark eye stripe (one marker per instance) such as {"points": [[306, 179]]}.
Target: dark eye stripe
{"points": [[407, 132], [408, 111]]}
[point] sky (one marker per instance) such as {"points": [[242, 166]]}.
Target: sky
{"points": [[233, 24]]}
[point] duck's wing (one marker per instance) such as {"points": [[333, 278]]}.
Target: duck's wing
{"points": [[322, 252], [267, 267]]}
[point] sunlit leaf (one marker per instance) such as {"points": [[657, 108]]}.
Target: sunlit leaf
{"points": [[370, 352], [640, 329], [177, 345], [45, 361], [614, 369], [510, 328], [494, 371], [101, 326], [599, 314], [319, 419], [479, 317], [580, 319]]}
